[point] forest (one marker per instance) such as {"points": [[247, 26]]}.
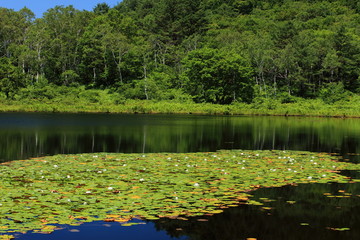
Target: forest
{"points": [[205, 51]]}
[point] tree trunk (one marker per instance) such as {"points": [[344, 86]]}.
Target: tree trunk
{"points": [[145, 83]]}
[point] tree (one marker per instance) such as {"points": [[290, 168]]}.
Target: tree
{"points": [[13, 28], [218, 77], [11, 78], [101, 8], [347, 46], [65, 26]]}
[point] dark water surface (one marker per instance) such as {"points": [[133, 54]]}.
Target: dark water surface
{"points": [[25, 135], [301, 212]]}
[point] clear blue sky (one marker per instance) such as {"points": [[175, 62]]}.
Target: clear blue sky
{"points": [[40, 6]]}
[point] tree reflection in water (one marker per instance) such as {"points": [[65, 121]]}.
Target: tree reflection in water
{"points": [[298, 213], [32, 135]]}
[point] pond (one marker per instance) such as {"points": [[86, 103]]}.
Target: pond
{"points": [[300, 212]]}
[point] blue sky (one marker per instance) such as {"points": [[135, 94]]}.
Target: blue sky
{"points": [[40, 6]]}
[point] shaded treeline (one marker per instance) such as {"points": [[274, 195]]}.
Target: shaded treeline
{"points": [[208, 51]]}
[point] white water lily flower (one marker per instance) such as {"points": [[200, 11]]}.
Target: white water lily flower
{"points": [[169, 158], [99, 172], [95, 156], [55, 166], [68, 176], [196, 185], [242, 168], [110, 188], [88, 192], [309, 177], [141, 179]]}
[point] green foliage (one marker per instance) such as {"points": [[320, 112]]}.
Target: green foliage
{"points": [[69, 76], [215, 51], [333, 92], [39, 93], [11, 78], [214, 76], [101, 8], [65, 189]]}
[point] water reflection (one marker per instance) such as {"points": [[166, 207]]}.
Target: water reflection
{"points": [[288, 213], [295, 213], [102, 230], [32, 135]]}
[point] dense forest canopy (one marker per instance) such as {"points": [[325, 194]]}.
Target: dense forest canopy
{"points": [[217, 51]]}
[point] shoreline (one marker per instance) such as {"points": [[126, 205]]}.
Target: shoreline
{"points": [[308, 108]]}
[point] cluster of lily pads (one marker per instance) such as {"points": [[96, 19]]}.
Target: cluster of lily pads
{"points": [[39, 194]]}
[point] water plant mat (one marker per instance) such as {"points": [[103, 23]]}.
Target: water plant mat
{"points": [[41, 193]]}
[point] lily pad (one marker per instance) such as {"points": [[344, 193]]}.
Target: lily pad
{"points": [[39, 193]]}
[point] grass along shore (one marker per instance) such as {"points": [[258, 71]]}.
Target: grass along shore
{"points": [[313, 107]]}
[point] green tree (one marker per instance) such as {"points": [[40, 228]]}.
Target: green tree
{"points": [[218, 77], [11, 78], [101, 8], [65, 26]]}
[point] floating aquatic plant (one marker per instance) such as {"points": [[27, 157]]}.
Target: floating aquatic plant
{"points": [[40, 193]]}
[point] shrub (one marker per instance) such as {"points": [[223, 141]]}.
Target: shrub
{"points": [[333, 92]]}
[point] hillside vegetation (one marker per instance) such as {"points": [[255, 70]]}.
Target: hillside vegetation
{"points": [[257, 52]]}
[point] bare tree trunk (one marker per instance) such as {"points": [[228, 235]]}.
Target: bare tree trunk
{"points": [[118, 65], [275, 84], [145, 83], [94, 74]]}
